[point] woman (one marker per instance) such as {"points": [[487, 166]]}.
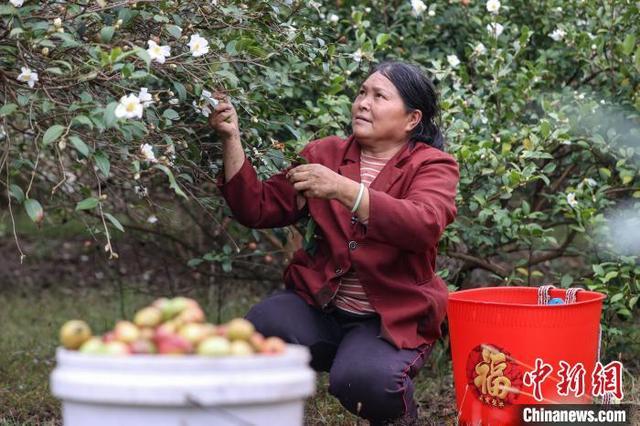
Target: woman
{"points": [[367, 302]]}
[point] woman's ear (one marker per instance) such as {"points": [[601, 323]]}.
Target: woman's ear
{"points": [[414, 120]]}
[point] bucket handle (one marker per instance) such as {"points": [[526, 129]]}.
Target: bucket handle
{"points": [[544, 297]]}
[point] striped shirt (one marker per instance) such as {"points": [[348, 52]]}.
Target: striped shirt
{"points": [[350, 296]]}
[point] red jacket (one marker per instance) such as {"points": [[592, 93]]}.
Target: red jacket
{"points": [[411, 201]]}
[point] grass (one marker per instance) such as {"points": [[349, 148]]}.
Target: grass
{"points": [[31, 319]]}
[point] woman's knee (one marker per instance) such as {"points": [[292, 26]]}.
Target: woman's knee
{"points": [[268, 315], [373, 394]]}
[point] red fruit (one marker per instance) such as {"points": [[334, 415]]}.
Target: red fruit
{"points": [[109, 337], [174, 345], [142, 346], [268, 259], [252, 246], [273, 345]]}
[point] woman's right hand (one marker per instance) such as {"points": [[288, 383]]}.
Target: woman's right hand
{"points": [[224, 120]]}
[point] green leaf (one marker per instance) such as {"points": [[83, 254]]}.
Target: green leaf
{"points": [[174, 30], [80, 146], [16, 192], [82, 120], [34, 210], [616, 297], [628, 44], [52, 134], [106, 34], [102, 161], [170, 114], [110, 114], [142, 54], [180, 90], [172, 180], [8, 109], [87, 204], [114, 221], [382, 38]]}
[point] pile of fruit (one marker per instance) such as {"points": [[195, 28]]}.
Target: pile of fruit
{"points": [[171, 326]]}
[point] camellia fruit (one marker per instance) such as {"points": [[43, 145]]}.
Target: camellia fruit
{"points": [[214, 346], [174, 307], [239, 329], [241, 348], [150, 316], [142, 346], [147, 333], [256, 340], [126, 331], [94, 346], [191, 314], [195, 332], [173, 345], [116, 348], [273, 345], [74, 333]]}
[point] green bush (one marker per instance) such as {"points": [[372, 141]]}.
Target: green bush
{"points": [[540, 104]]}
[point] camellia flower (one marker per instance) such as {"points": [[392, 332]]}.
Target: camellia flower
{"points": [[158, 53], [480, 49], [333, 18], [558, 34], [147, 153], [205, 104], [145, 97], [418, 7], [493, 6], [152, 219], [16, 3], [198, 45], [571, 199], [453, 60], [57, 22], [357, 55], [495, 29], [129, 107], [28, 76]]}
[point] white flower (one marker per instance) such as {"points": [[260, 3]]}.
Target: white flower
{"points": [[129, 107], [158, 53], [480, 49], [198, 45], [493, 6], [495, 29], [205, 104], [16, 3], [145, 97], [147, 153], [152, 219], [453, 61], [431, 12], [28, 76], [418, 7], [558, 34], [333, 18], [174, 101], [591, 182], [357, 55], [57, 22], [571, 200]]}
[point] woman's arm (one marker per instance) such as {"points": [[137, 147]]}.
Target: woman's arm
{"points": [[254, 203]]}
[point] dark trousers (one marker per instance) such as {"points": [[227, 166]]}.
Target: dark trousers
{"points": [[368, 375]]}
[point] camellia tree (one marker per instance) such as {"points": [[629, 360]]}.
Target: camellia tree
{"points": [[105, 105]]}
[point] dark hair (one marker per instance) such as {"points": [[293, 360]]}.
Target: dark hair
{"points": [[418, 93]]}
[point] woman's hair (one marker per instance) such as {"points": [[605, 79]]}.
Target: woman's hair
{"points": [[418, 92]]}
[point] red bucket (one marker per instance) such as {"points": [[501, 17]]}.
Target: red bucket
{"points": [[498, 333]]}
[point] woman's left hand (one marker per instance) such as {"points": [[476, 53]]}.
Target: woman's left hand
{"points": [[315, 181]]}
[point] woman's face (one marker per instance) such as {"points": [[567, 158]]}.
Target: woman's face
{"points": [[378, 114]]}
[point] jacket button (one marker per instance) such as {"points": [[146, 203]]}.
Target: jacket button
{"points": [[353, 245], [338, 271]]}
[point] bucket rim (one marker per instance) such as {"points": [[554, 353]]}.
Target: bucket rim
{"points": [[452, 297]]}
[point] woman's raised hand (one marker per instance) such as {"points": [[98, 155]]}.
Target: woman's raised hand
{"points": [[224, 119]]}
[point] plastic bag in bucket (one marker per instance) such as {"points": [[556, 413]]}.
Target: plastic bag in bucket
{"points": [[503, 338]]}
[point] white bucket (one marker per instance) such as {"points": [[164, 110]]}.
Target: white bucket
{"points": [[187, 390]]}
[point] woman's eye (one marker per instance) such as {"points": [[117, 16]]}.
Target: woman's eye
{"points": [[379, 95]]}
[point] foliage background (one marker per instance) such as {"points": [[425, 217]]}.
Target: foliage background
{"points": [[546, 132]]}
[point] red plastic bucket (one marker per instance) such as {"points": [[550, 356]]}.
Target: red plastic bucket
{"points": [[497, 333]]}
